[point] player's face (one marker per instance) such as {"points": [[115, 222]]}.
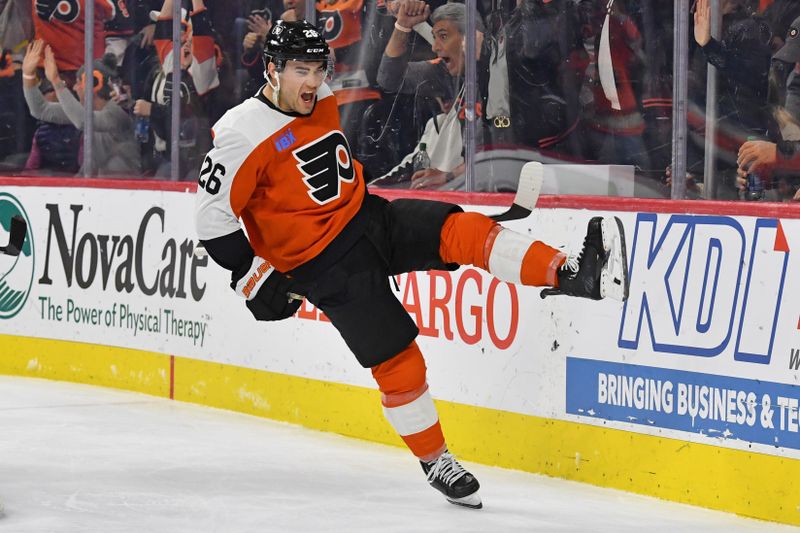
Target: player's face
{"points": [[299, 83], [447, 45]]}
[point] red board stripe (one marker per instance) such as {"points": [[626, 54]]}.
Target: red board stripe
{"points": [[594, 203]]}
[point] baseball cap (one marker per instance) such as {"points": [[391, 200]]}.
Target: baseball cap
{"points": [[790, 52]]}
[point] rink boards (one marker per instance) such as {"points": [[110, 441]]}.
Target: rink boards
{"points": [[688, 392]]}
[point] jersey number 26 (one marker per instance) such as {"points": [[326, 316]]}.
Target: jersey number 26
{"points": [[216, 171]]}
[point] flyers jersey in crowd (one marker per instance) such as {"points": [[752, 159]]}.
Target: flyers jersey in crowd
{"points": [[62, 24], [291, 179], [340, 22]]}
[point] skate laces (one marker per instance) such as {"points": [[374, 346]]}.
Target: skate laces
{"points": [[572, 263], [447, 469]]}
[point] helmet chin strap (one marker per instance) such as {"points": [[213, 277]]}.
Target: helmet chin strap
{"points": [[276, 89]]}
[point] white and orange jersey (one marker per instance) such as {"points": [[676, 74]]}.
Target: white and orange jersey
{"points": [[291, 179]]}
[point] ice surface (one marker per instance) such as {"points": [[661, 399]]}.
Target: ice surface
{"points": [[76, 458]]}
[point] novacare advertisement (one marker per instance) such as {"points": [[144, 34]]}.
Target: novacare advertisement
{"points": [[116, 267], [707, 348]]}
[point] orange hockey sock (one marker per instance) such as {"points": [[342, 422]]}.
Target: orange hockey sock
{"points": [[408, 405], [475, 239]]}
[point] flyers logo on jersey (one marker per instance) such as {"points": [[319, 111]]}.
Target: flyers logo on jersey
{"points": [[324, 163], [61, 10]]}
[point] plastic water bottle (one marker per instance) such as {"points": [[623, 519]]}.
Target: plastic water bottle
{"points": [[142, 132], [755, 187], [421, 159]]}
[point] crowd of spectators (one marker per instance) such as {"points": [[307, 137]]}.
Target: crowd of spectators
{"points": [[574, 81]]}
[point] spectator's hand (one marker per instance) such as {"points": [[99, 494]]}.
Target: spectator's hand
{"points": [[428, 178], [251, 40], [259, 25], [741, 179], [45, 9], [412, 12], [796, 197], [50, 66], [33, 56], [392, 7], [757, 156], [702, 22], [147, 35], [691, 182], [119, 94], [142, 108]]}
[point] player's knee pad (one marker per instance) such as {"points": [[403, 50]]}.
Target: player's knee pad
{"points": [[402, 375], [467, 238]]}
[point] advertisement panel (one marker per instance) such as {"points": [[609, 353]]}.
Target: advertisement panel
{"points": [[708, 343], [706, 349]]}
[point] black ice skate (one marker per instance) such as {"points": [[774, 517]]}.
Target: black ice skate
{"points": [[448, 477], [600, 270]]}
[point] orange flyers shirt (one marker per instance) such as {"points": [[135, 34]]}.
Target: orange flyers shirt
{"points": [[340, 22], [290, 178], [65, 28]]}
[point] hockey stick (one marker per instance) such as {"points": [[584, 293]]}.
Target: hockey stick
{"points": [[16, 236], [528, 189]]}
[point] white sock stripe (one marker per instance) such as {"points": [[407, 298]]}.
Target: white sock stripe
{"points": [[505, 260], [412, 417]]}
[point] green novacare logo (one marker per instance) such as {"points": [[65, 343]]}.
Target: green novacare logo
{"points": [[16, 272]]}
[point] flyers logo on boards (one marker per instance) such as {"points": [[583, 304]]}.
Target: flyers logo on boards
{"points": [[700, 284], [16, 270], [324, 163]]}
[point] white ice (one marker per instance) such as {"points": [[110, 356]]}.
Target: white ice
{"points": [[76, 458]]}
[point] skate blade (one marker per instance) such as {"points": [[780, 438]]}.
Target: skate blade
{"points": [[473, 501], [614, 277]]}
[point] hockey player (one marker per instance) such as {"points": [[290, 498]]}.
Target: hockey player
{"points": [[281, 164]]}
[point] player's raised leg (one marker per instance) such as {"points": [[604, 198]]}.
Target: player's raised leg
{"points": [[598, 271]]}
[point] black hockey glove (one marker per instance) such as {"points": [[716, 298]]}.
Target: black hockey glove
{"points": [[266, 290]]}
